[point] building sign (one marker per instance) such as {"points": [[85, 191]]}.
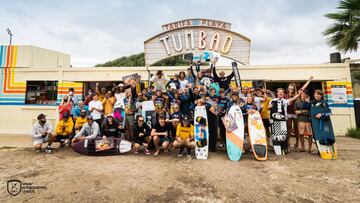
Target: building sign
{"points": [[339, 95], [196, 22], [197, 36]]}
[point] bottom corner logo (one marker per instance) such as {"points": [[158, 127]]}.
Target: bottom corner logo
{"points": [[14, 187]]}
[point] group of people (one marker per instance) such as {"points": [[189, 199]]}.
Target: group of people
{"points": [[174, 100]]}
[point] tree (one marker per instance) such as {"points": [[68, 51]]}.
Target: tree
{"points": [[139, 60], [344, 33]]}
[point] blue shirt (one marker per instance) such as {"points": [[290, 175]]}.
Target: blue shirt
{"points": [[77, 110]]}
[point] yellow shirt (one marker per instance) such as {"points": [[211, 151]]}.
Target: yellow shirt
{"points": [[64, 128], [185, 132], [108, 105], [265, 114], [80, 121]]}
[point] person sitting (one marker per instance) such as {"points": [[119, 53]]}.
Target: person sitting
{"points": [[110, 128], [89, 131], [64, 129], [141, 135], [43, 132], [81, 120], [184, 136], [160, 134]]}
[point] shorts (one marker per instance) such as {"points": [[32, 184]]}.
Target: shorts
{"points": [[291, 116], [302, 126], [163, 139], [41, 140], [61, 138], [141, 141], [266, 123]]}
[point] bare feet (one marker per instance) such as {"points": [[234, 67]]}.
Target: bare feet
{"points": [[157, 152]]}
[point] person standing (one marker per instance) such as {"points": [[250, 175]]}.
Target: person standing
{"points": [[108, 103], [64, 107], [302, 109], [96, 108]]}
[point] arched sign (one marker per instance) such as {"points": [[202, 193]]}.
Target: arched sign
{"points": [[197, 36]]}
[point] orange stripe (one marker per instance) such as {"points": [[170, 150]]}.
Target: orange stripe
{"points": [[67, 92], [235, 139]]}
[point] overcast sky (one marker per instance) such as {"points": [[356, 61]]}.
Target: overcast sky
{"points": [[92, 32]]}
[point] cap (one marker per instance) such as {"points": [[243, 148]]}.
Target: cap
{"points": [[40, 116], [186, 119], [89, 117], [121, 85], [66, 115]]}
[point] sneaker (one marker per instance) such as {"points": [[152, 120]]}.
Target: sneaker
{"points": [[147, 152], [157, 152], [136, 152], [188, 152], [180, 154], [48, 150]]}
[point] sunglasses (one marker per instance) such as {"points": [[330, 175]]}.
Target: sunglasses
{"points": [[141, 120]]}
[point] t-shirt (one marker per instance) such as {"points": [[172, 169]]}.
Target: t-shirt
{"points": [[162, 129], [302, 105], [183, 83], [265, 114], [185, 132], [95, 113]]}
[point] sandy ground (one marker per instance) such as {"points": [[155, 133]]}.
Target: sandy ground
{"points": [[70, 177]]}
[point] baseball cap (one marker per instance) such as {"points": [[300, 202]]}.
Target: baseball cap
{"points": [[89, 117], [66, 115]]}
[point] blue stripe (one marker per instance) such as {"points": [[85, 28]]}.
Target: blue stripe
{"points": [[23, 104], [12, 99], [1, 53], [342, 105], [4, 56]]}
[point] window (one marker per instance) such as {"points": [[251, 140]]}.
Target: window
{"points": [[41, 92]]}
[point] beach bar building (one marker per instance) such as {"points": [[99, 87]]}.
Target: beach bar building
{"points": [[33, 80]]}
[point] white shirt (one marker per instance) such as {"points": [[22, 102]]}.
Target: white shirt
{"points": [[183, 83], [95, 113]]}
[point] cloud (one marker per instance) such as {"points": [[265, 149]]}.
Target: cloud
{"points": [[94, 32]]}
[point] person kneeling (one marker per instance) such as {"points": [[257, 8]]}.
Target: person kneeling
{"points": [[64, 130], [184, 137], [141, 135], [160, 135], [89, 131], [43, 132]]}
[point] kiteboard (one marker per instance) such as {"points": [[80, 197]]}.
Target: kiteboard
{"points": [[234, 124], [201, 132], [257, 135]]}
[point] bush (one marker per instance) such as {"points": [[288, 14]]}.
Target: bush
{"points": [[353, 132]]}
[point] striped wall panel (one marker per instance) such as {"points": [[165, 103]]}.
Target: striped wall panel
{"points": [[11, 91], [328, 94], [63, 89]]}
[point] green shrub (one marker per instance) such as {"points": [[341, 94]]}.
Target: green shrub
{"points": [[353, 132]]}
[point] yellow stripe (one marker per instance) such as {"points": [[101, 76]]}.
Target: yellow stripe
{"points": [[70, 84]]}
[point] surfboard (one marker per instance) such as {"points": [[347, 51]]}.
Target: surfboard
{"points": [[102, 147], [278, 128], [323, 131], [201, 133], [234, 136], [257, 135], [119, 116], [148, 112]]}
